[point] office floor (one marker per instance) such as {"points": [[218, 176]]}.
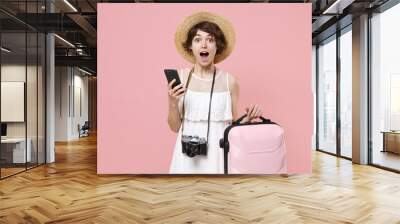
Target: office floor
{"points": [[8, 171], [387, 159], [70, 191]]}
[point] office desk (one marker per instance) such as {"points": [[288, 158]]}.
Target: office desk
{"points": [[13, 150], [391, 141]]}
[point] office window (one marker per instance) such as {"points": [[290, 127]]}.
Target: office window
{"points": [[385, 88], [327, 95], [314, 77], [346, 93]]}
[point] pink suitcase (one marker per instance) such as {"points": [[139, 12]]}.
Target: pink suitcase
{"points": [[254, 148]]}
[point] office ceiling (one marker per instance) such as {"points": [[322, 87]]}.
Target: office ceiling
{"points": [[77, 22]]}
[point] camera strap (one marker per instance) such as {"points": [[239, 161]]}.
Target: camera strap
{"points": [[209, 106]]}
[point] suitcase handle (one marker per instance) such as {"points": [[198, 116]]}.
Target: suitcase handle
{"points": [[263, 119]]}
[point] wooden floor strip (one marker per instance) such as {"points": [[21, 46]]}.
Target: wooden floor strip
{"points": [[70, 191]]}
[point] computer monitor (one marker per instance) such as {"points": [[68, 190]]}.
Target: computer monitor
{"points": [[3, 129]]}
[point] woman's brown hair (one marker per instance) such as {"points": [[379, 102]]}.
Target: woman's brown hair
{"points": [[210, 28]]}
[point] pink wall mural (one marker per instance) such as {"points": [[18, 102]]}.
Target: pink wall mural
{"points": [[271, 59]]}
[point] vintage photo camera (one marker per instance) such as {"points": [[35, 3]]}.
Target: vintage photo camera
{"points": [[193, 145]]}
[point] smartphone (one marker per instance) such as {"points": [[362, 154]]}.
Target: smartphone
{"points": [[171, 74]]}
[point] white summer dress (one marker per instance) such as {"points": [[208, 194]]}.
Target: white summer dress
{"points": [[196, 115]]}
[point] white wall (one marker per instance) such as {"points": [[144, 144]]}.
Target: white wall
{"points": [[81, 100], [17, 73], [12, 73], [71, 93], [62, 80]]}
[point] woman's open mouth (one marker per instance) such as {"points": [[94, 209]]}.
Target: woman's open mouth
{"points": [[204, 55]]}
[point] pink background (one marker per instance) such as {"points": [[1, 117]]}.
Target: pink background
{"points": [[272, 60]]}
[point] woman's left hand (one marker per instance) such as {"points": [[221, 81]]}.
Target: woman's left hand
{"points": [[252, 112]]}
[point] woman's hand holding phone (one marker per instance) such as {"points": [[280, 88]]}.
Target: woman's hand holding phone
{"points": [[175, 93]]}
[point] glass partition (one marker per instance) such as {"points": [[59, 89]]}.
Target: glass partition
{"points": [[22, 77], [14, 153]]}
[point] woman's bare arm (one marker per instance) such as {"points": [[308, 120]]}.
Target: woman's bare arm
{"points": [[174, 119]]}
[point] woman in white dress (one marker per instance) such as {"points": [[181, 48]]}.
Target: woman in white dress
{"points": [[204, 39]]}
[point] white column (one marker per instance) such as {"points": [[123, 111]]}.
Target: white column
{"points": [[50, 92], [50, 100]]}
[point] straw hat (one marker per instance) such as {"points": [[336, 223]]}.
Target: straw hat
{"points": [[190, 21]]}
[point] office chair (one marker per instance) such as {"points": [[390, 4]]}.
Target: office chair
{"points": [[84, 130]]}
